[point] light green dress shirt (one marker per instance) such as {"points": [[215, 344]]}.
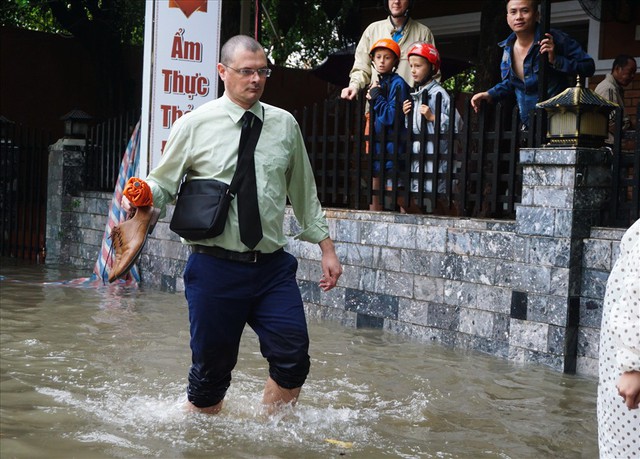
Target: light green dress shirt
{"points": [[203, 144]]}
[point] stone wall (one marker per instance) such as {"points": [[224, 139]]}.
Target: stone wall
{"points": [[601, 250], [528, 290]]}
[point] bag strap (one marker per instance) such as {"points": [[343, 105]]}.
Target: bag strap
{"points": [[245, 156]]}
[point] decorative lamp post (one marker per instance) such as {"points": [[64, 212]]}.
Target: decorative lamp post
{"points": [[76, 124], [577, 117]]}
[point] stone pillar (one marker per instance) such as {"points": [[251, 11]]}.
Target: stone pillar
{"points": [[65, 180], [563, 193]]}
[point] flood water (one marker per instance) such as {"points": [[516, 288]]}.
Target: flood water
{"points": [[92, 372]]}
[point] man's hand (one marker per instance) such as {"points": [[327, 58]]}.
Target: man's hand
{"points": [[547, 46], [127, 205], [136, 193], [331, 268], [629, 388], [349, 93], [478, 98]]}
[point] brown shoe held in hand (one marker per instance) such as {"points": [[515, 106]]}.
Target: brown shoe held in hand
{"points": [[128, 239]]}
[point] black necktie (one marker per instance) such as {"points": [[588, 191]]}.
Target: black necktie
{"points": [[248, 211]]}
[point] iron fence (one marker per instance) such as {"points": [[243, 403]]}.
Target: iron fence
{"points": [[482, 176], [623, 207], [106, 144], [472, 171], [23, 191]]}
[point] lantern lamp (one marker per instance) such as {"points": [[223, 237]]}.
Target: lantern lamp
{"points": [[577, 117], [76, 124]]}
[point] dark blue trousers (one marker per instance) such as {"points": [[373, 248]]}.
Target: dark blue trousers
{"points": [[225, 295]]}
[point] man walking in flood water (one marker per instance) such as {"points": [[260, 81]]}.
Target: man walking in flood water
{"points": [[243, 276]]}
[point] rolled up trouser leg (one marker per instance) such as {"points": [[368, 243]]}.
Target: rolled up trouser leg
{"points": [[280, 323]]}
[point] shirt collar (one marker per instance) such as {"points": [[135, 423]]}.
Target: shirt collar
{"points": [[510, 40], [400, 29], [426, 87], [236, 112], [609, 77]]}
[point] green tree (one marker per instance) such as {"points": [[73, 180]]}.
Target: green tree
{"points": [[26, 14], [122, 18], [301, 33], [296, 33]]}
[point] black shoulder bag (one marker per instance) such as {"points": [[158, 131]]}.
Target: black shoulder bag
{"points": [[203, 205]]}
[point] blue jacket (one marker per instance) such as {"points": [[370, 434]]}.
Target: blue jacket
{"points": [[394, 91], [570, 60]]}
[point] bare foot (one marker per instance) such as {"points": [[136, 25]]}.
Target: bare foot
{"points": [[214, 409], [276, 397]]}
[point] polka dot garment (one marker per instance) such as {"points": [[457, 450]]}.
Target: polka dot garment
{"points": [[618, 426]]}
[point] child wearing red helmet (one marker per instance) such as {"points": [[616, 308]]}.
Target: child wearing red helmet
{"points": [[385, 97], [424, 61]]}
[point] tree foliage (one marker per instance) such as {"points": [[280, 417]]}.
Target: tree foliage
{"points": [[301, 33], [296, 33], [462, 82], [24, 15], [121, 20]]}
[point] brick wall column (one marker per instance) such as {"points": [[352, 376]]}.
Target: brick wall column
{"points": [[563, 193]]}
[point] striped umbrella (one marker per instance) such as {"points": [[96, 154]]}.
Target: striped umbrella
{"points": [[128, 169]]}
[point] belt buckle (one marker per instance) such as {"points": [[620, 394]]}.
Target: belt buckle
{"points": [[255, 257]]}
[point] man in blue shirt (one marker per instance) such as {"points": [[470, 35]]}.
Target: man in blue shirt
{"points": [[521, 60]]}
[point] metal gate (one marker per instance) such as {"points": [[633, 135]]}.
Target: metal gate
{"points": [[23, 191]]}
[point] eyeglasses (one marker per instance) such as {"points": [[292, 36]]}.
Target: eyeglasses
{"points": [[262, 73]]}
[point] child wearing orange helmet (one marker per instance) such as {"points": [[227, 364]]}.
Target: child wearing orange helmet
{"points": [[385, 97], [427, 99]]}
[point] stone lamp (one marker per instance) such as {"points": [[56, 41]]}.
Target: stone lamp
{"points": [[76, 124]]}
